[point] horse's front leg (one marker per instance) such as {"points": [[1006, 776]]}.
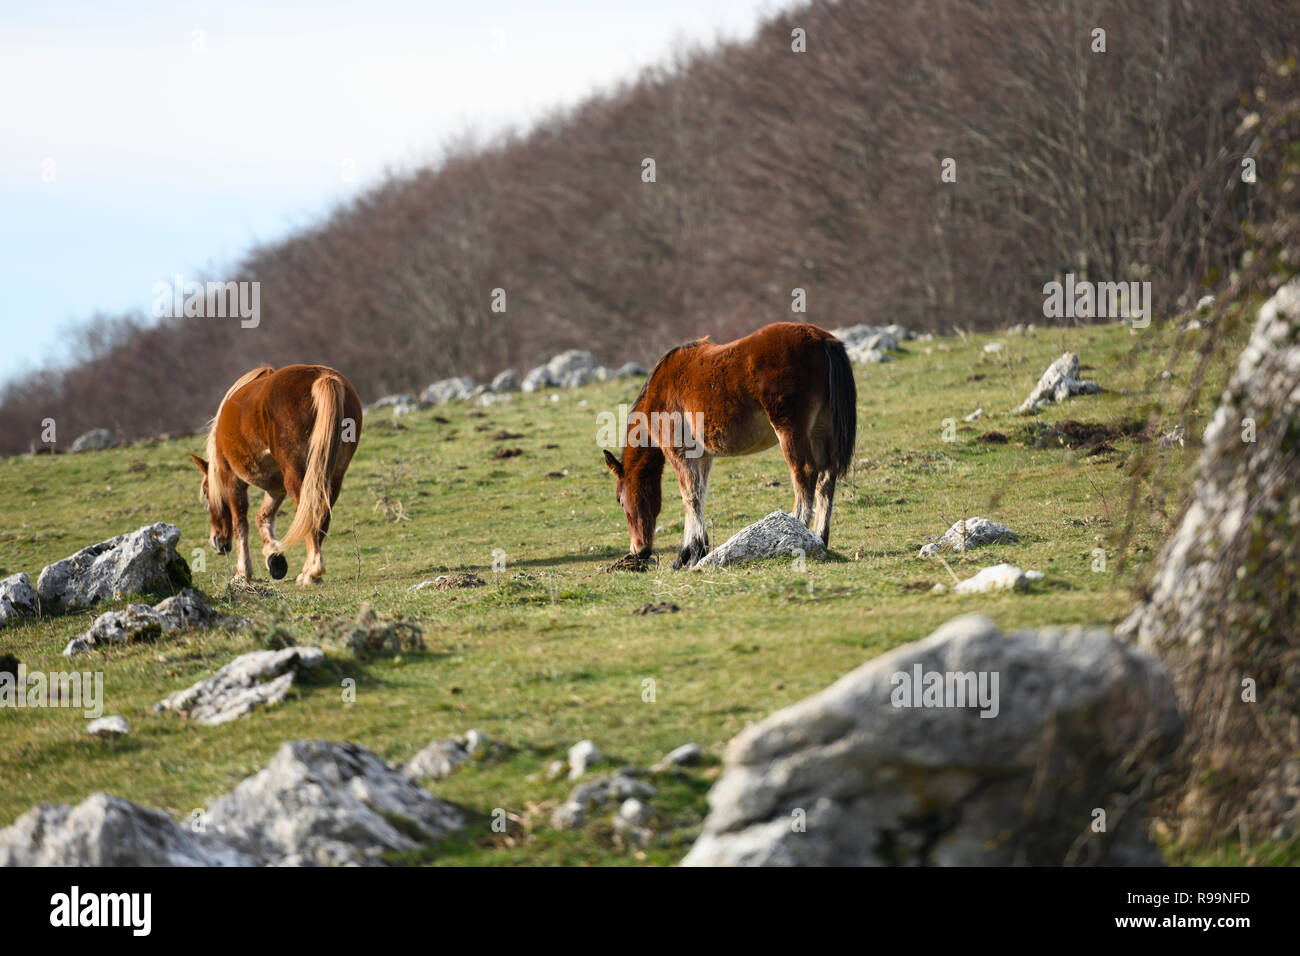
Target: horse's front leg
{"points": [[693, 479], [239, 515], [272, 551]]}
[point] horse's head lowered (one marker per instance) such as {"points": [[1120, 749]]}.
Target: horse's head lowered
{"points": [[638, 491], [221, 522]]}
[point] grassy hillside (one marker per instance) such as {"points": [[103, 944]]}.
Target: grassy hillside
{"points": [[549, 651]]}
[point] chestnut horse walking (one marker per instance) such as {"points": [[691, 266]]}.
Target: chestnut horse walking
{"points": [[291, 431], [789, 383]]}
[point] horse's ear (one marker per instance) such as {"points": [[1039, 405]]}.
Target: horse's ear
{"points": [[199, 463], [614, 464]]}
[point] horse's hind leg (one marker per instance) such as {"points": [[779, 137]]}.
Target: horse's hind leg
{"points": [[803, 471], [272, 550], [693, 479], [824, 503], [313, 569]]}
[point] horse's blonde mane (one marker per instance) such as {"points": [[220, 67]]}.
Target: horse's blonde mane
{"points": [[215, 489]]}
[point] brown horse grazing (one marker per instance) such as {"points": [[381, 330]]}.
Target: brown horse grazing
{"points": [[789, 383], [291, 431]]}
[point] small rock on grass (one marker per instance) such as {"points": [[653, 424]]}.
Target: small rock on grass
{"points": [[999, 577], [683, 756], [106, 727], [969, 533], [620, 786], [17, 598], [582, 755], [777, 535], [1059, 382]]}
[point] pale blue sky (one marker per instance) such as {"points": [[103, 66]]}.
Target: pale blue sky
{"points": [[179, 134]]}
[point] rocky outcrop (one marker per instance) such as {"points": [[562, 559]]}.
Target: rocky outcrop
{"points": [[142, 623], [448, 390], [401, 404], [971, 747], [507, 381], [440, 758], [328, 804], [623, 785], [108, 831], [316, 803], [777, 535], [1059, 382], [969, 533], [17, 599], [97, 439], [869, 343], [141, 562], [1221, 605], [251, 680]]}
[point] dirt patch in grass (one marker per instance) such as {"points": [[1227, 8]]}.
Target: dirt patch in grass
{"points": [[503, 435], [1092, 437], [992, 438], [630, 562], [370, 634], [458, 579], [663, 607], [502, 453]]}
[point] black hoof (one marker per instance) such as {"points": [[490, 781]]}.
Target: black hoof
{"points": [[277, 565], [690, 554]]}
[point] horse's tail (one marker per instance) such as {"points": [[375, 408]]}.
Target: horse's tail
{"points": [[322, 453], [843, 399]]}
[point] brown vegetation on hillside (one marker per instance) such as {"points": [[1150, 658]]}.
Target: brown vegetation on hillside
{"points": [[774, 170]]}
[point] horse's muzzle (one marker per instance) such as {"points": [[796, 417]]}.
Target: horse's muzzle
{"points": [[219, 545]]}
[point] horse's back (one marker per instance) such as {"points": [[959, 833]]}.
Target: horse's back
{"points": [[286, 393], [272, 415]]}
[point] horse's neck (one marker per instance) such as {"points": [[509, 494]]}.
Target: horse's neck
{"points": [[644, 462]]}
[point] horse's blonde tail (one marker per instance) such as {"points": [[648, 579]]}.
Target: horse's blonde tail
{"points": [[322, 453]]}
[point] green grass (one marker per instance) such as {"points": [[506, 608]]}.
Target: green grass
{"points": [[549, 651]]}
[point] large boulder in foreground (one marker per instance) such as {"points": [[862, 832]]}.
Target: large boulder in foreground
{"points": [[778, 535], [140, 562], [1222, 605], [1058, 724], [108, 831], [328, 804]]}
